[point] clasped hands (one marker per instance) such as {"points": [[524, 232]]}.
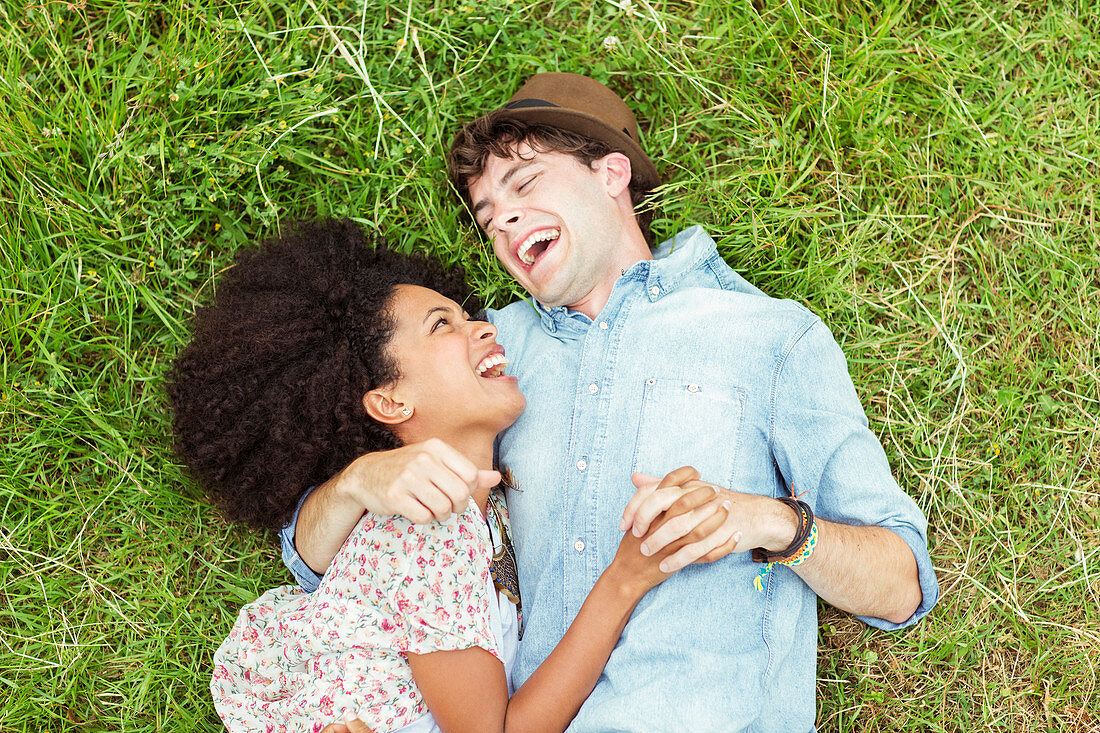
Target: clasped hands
{"points": [[707, 521], [430, 480]]}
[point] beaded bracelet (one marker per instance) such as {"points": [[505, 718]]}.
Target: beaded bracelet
{"points": [[760, 582], [805, 540]]}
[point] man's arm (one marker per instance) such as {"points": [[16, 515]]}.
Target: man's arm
{"points": [[872, 555], [868, 571], [422, 482]]}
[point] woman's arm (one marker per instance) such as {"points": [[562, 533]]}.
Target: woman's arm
{"points": [[466, 690], [420, 481]]}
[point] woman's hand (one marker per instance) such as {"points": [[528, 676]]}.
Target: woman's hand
{"points": [[641, 568]]}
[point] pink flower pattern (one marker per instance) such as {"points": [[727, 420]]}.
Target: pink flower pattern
{"points": [[296, 661]]}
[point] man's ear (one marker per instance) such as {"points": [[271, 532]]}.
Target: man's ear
{"points": [[618, 172], [383, 408]]}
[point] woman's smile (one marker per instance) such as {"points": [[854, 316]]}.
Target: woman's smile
{"points": [[432, 338]]}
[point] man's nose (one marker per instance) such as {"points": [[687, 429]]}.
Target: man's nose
{"points": [[510, 216]]}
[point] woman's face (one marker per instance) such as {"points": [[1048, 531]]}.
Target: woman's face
{"points": [[452, 370]]}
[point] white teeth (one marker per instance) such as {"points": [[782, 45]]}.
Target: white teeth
{"points": [[490, 361], [524, 249]]}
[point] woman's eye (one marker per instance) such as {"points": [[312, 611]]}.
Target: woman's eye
{"points": [[526, 182], [441, 322]]}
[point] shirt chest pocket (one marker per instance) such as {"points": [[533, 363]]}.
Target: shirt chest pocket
{"points": [[684, 423]]}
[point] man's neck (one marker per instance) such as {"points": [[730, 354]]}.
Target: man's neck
{"points": [[634, 250]]}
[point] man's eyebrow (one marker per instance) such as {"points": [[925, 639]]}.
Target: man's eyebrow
{"points": [[508, 175]]}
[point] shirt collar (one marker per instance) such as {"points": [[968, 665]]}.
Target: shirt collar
{"points": [[673, 260]]}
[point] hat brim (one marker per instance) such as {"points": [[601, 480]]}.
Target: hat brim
{"points": [[643, 171]]}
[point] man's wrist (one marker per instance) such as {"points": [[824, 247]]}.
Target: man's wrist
{"points": [[343, 489], [782, 523]]}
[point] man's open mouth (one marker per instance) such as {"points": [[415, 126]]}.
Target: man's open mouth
{"points": [[531, 248], [492, 366]]}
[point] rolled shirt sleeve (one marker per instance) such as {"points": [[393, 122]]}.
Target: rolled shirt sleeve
{"points": [[822, 445], [307, 578]]}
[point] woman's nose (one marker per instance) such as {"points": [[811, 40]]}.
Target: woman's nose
{"points": [[484, 330]]}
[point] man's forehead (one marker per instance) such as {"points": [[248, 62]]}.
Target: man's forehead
{"points": [[498, 172], [521, 155], [522, 149]]}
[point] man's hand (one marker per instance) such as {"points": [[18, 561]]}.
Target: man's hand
{"points": [[700, 521], [351, 724], [421, 482], [869, 571], [748, 521]]}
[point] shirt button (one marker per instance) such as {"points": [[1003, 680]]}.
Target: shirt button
{"points": [[603, 325], [693, 388], [582, 464], [654, 291], [579, 545], [593, 388], [651, 381]]}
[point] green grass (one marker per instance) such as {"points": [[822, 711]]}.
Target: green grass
{"points": [[922, 175]]}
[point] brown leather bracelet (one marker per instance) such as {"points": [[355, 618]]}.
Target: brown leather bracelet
{"points": [[806, 522]]}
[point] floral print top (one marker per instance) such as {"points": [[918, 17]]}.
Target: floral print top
{"points": [[297, 661]]}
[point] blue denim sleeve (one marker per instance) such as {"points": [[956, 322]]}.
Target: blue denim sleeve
{"points": [[304, 574], [822, 444]]}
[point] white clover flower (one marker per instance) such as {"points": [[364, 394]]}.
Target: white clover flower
{"points": [[611, 43]]}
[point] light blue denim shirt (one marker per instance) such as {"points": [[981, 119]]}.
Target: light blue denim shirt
{"points": [[687, 364]]}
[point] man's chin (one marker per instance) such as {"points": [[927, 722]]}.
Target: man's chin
{"points": [[548, 295], [548, 287], [551, 302]]}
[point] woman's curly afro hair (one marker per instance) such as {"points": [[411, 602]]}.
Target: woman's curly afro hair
{"points": [[268, 396]]}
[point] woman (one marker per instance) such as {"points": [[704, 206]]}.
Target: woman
{"points": [[318, 349]]}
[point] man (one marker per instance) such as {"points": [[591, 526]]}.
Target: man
{"points": [[633, 366]]}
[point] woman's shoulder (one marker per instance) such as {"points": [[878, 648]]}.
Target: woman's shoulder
{"points": [[392, 545]]}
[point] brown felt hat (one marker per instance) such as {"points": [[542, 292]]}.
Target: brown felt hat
{"points": [[582, 105]]}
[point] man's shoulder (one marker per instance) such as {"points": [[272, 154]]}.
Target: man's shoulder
{"points": [[515, 323], [710, 276], [520, 312], [769, 316]]}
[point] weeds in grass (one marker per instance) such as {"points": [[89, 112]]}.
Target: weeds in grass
{"points": [[922, 175]]}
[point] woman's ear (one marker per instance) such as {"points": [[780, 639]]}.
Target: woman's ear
{"points": [[383, 408]]}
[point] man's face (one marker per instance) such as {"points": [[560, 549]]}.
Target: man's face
{"points": [[552, 221]]}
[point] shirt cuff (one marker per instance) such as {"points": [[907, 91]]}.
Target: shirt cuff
{"points": [[307, 578], [929, 586]]}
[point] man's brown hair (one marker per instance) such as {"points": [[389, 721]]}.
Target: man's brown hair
{"points": [[498, 135]]}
